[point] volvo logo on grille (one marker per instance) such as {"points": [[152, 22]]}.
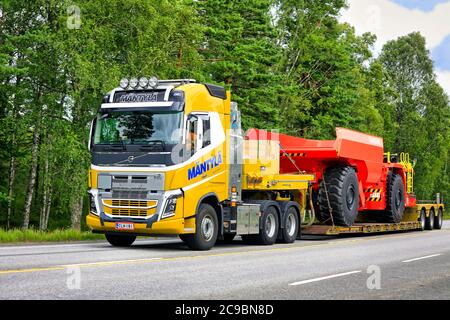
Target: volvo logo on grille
{"points": [[130, 159]]}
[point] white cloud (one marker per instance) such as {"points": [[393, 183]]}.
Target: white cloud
{"points": [[443, 77], [389, 21]]}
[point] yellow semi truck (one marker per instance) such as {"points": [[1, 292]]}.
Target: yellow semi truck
{"points": [[169, 158]]}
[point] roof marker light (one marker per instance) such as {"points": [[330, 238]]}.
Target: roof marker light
{"points": [[143, 82], [124, 83], [153, 82], [134, 83]]}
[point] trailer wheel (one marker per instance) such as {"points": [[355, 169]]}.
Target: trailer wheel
{"points": [[429, 221], [206, 229], [395, 199], [120, 240], [291, 225], [422, 220], [439, 219], [343, 195]]}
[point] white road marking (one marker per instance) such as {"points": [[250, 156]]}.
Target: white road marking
{"points": [[421, 258], [324, 278]]}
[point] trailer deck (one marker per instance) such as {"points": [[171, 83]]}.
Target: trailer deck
{"points": [[362, 228]]}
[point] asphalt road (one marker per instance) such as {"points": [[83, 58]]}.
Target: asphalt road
{"points": [[412, 265]]}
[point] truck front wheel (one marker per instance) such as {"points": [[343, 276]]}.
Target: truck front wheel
{"points": [[120, 240], [206, 229]]}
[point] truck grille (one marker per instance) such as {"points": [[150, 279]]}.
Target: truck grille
{"points": [[130, 208], [130, 203], [129, 212]]}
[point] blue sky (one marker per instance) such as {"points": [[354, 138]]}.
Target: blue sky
{"points": [[423, 5], [441, 53]]}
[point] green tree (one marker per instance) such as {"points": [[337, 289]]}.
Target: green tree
{"points": [[418, 109]]}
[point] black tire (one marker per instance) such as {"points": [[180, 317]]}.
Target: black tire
{"points": [[422, 220], [343, 194], [429, 221], [270, 223], [120, 240], [291, 225], [439, 219], [206, 230], [395, 199]]}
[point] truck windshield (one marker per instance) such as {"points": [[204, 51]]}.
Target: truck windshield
{"points": [[138, 128]]}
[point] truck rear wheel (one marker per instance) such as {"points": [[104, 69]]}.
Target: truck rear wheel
{"points": [[429, 221], [120, 240], [268, 230], [343, 195], [395, 199], [439, 220], [206, 229], [291, 225]]}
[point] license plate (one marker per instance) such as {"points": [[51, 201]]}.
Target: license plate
{"points": [[124, 226]]}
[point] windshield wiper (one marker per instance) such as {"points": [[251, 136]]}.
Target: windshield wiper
{"points": [[154, 144], [116, 144]]}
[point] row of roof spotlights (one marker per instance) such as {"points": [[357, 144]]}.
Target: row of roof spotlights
{"points": [[143, 82]]}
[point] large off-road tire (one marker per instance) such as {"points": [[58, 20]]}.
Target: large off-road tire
{"points": [[439, 219], [343, 194], [291, 225], [120, 240], [206, 229], [395, 199], [429, 221]]}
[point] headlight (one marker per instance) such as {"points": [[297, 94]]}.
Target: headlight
{"points": [[171, 206], [92, 206]]}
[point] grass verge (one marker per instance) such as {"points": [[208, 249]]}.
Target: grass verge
{"points": [[17, 235]]}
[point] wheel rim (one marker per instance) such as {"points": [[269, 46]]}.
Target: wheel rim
{"points": [[270, 225], [350, 197], [432, 219], [291, 224], [207, 228]]}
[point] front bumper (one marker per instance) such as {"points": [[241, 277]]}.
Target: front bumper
{"points": [[163, 227]]}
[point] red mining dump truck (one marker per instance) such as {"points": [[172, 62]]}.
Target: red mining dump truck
{"points": [[358, 188]]}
